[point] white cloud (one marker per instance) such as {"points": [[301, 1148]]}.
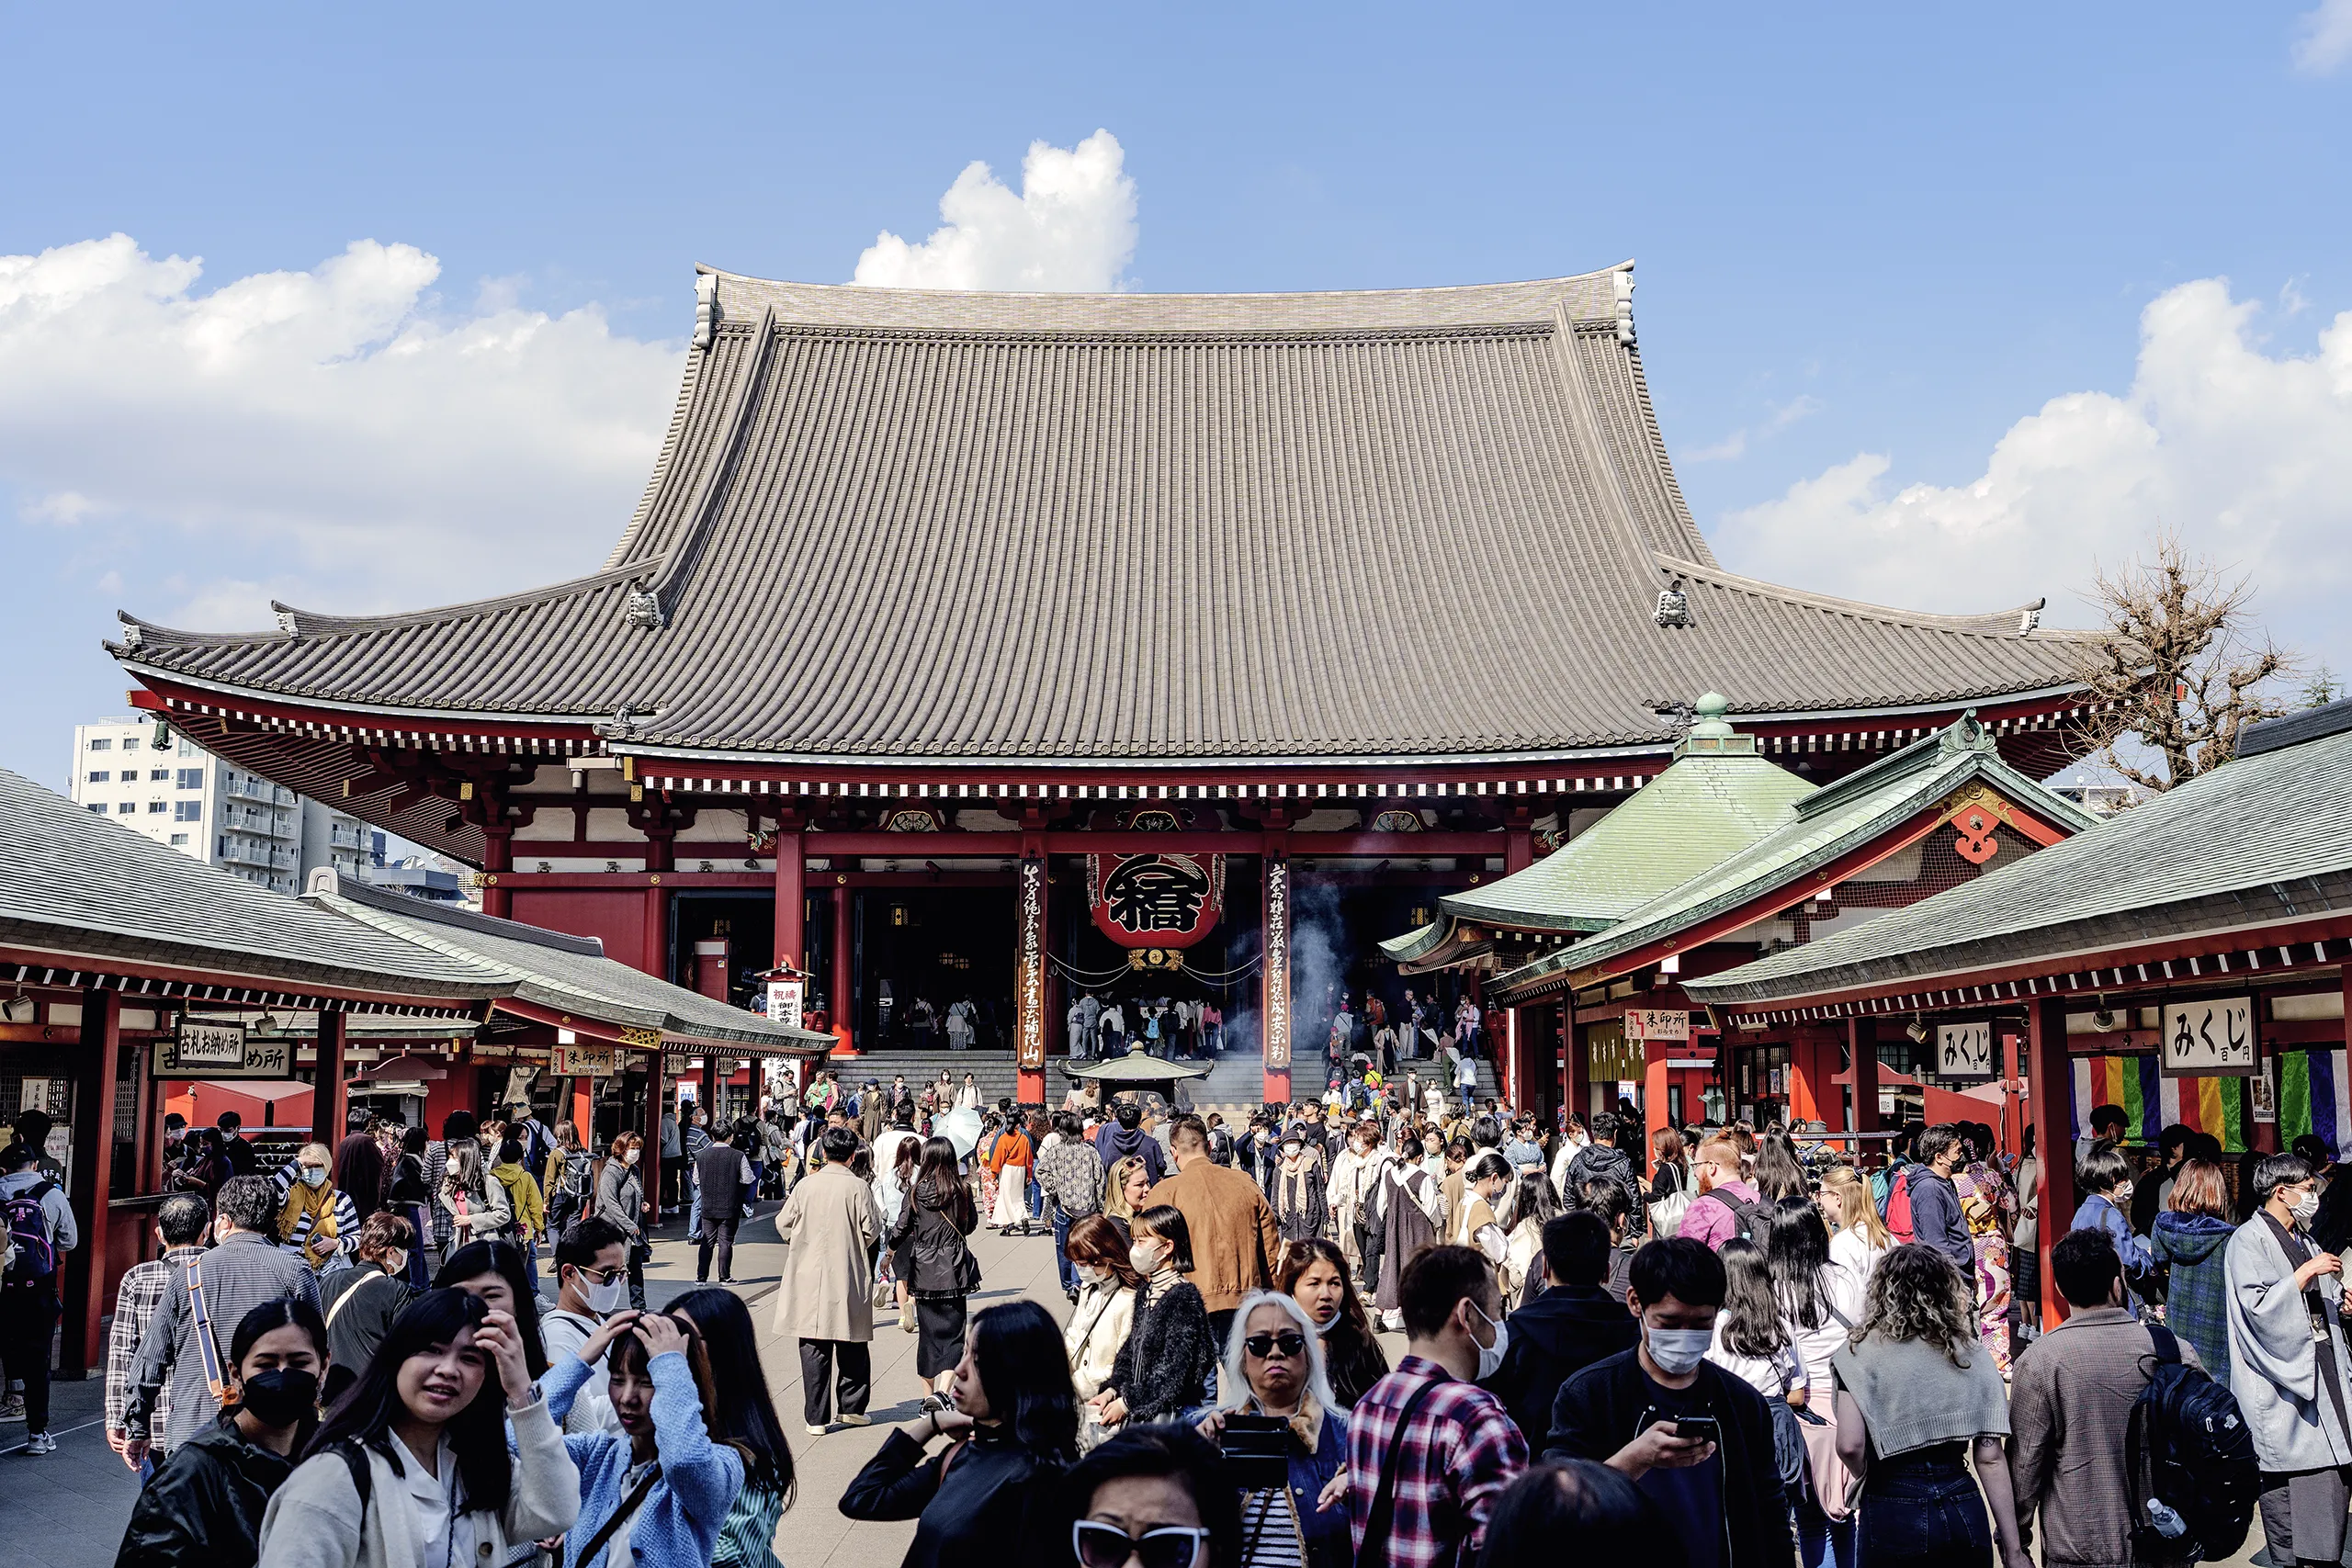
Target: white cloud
{"points": [[334, 435], [2325, 39], [1071, 228], [1779, 417], [2246, 453]]}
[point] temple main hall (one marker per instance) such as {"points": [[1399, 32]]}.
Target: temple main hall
{"points": [[978, 668]]}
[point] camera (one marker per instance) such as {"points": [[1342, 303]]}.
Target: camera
{"points": [[1256, 1451]]}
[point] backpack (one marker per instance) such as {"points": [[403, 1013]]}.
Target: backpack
{"points": [[31, 1254], [1897, 1209], [1743, 1213], [2202, 1481]]}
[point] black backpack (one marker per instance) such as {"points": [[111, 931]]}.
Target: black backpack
{"points": [[2196, 1497]]}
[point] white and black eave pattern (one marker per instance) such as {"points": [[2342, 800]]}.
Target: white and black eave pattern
{"points": [[53, 979], [2267, 961], [371, 735], [878, 789]]}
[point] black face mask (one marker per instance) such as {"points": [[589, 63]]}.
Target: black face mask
{"points": [[280, 1396]]}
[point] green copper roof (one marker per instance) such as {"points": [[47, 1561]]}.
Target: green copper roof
{"points": [[1707, 807], [2260, 840], [1822, 826]]}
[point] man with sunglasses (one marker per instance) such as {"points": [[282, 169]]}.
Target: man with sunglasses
{"points": [[592, 1277], [1429, 1452]]}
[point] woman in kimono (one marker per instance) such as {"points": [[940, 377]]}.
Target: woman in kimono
{"points": [[2284, 1303], [1988, 1203], [1412, 1211]]}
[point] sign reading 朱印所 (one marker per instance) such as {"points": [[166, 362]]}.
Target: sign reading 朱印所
{"points": [[2214, 1038], [587, 1061], [1658, 1023]]}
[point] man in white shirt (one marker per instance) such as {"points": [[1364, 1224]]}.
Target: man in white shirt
{"points": [[591, 1277]]}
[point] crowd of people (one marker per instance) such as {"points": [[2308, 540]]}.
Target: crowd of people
{"points": [[1709, 1340]]}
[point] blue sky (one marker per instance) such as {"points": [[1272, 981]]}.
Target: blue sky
{"points": [[1875, 245]]}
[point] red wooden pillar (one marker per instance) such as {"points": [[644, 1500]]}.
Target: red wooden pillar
{"points": [[1274, 975], [583, 1111], [326, 1083], [791, 901], [1656, 1106], [497, 861], [712, 961], [2049, 1080], [1861, 1049], [655, 960], [1029, 971], [83, 1345], [841, 1011], [1576, 1065], [1810, 1090], [1519, 847]]}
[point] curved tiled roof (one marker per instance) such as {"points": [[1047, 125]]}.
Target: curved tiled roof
{"points": [[905, 523]]}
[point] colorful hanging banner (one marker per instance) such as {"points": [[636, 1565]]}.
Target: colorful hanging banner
{"points": [[1156, 900], [2152, 1101], [2313, 1088]]}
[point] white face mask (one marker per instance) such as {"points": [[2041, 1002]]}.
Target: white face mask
{"points": [[313, 1176], [1088, 1274], [1491, 1357], [2305, 1208], [396, 1263], [1678, 1350], [629, 1158], [607, 1297], [1144, 1259]]}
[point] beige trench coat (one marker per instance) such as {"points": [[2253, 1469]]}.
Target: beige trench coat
{"points": [[831, 1227]]}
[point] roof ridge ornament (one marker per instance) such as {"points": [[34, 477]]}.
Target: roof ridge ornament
{"points": [[645, 612], [134, 636], [1965, 733], [1622, 280], [2029, 618], [288, 622], [1674, 605], [706, 307], [622, 726]]}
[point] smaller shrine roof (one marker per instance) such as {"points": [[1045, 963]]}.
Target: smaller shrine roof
{"points": [[2260, 842], [549, 969], [1137, 1066], [1822, 826]]}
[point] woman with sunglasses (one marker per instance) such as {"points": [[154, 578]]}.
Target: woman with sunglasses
{"points": [[1273, 1367], [1013, 1423], [1154, 1497]]}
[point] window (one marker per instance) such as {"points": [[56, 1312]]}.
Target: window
{"points": [[125, 807], [99, 775], [158, 775], [188, 811], [187, 748], [101, 745], [157, 808], [99, 807], [191, 778], [130, 744], [179, 841]]}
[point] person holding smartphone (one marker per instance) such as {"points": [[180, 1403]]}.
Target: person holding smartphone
{"points": [[1694, 1436]]}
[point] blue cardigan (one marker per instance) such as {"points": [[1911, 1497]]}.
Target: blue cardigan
{"points": [[677, 1525], [2097, 1214]]}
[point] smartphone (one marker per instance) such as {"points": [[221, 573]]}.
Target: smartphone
{"points": [[1702, 1427]]}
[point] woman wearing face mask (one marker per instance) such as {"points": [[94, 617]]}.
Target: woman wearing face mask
{"points": [[1012, 1426], [1314, 1273], [1298, 1191], [478, 1205], [204, 1507], [1485, 1180], [1099, 1324], [1273, 1367], [316, 1222], [620, 1200], [939, 1267], [413, 1466], [1170, 1352], [361, 1302], [655, 1493], [2105, 1177]]}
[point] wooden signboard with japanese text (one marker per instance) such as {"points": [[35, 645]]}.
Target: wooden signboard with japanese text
{"points": [[1965, 1050], [2213, 1038]]}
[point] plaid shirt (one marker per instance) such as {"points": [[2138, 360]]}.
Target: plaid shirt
{"points": [[1460, 1452], [134, 1304]]}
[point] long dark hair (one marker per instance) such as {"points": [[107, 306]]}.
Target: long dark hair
{"points": [[1751, 1320], [1796, 1241], [367, 1409], [359, 1170], [746, 1413], [941, 1177], [1024, 1372], [505, 1260], [1778, 1173]]}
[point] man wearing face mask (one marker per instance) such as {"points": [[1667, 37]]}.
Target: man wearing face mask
{"points": [[592, 1278], [1429, 1452], [2288, 1364], [362, 1300], [2104, 1179], [1718, 1481]]}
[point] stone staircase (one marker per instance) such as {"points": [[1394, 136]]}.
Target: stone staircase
{"points": [[1235, 1084]]}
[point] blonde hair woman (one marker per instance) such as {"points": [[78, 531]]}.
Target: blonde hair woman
{"points": [[1858, 1238], [1124, 1189]]}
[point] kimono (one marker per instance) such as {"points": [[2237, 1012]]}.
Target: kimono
{"points": [[2294, 1408], [1985, 1203], [1411, 1211]]}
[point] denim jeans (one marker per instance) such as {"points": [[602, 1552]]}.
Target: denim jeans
{"points": [[1824, 1542], [1926, 1513], [1063, 1268]]}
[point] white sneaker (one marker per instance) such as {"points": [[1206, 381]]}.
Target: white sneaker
{"points": [[816, 1431], [40, 1443], [848, 1420]]}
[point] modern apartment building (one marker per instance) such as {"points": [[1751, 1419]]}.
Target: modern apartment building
{"points": [[146, 776]]}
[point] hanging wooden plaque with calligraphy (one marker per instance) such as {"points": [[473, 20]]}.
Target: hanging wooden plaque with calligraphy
{"points": [[1157, 900]]}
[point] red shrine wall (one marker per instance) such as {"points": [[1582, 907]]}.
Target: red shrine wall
{"points": [[617, 919]]}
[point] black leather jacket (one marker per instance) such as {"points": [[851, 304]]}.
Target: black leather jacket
{"points": [[203, 1509], [927, 1240]]}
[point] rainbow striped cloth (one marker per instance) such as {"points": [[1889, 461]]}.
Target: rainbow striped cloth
{"points": [[2312, 1098]]}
